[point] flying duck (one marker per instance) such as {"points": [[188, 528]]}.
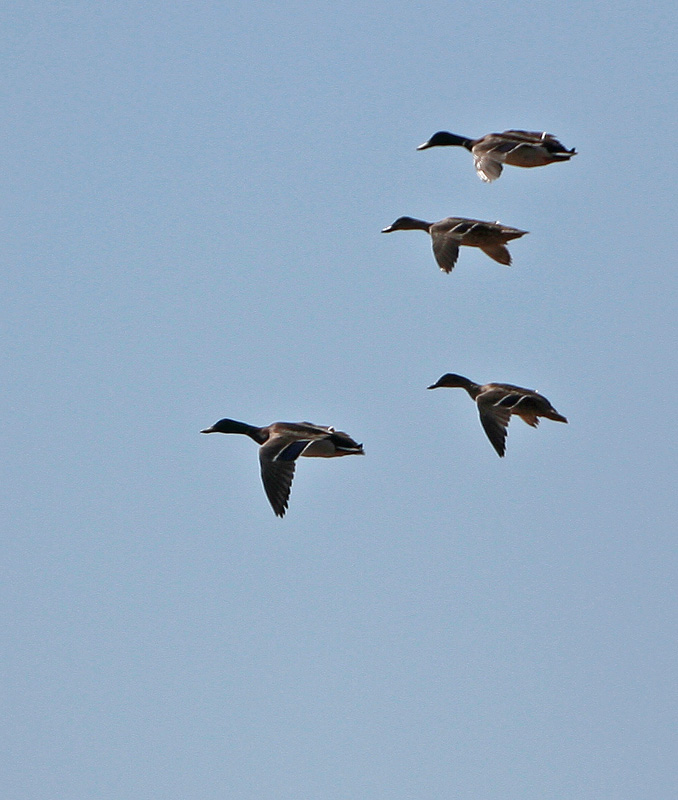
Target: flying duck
{"points": [[281, 443], [517, 148], [497, 402], [450, 233]]}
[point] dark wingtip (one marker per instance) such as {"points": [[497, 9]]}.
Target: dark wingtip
{"points": [[499, 447], [279, 507]]}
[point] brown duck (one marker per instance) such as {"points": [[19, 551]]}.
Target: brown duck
{"points": [[497, 402], [451, 233]]}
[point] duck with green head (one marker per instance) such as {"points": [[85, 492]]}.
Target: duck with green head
{"points": [[281, 443], [517, 148]]}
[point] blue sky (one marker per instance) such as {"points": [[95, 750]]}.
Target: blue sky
{"points": [[192, 201]]}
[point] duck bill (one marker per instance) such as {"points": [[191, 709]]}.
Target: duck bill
{"points": [[424, 146], [389, 229], [208, 430]]}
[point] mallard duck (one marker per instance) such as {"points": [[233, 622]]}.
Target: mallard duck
{"points": [[281, 444], [518, 148], [450, 233], [497, 402]]}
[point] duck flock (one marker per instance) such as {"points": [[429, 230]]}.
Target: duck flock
{"points": [[282, 443]]}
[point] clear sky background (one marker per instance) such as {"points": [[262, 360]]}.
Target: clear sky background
{"points": [[192, 199]]}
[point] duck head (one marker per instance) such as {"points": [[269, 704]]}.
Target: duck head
{"points": [[227, 426], [451, 381], [406, 224], [443, 139]]}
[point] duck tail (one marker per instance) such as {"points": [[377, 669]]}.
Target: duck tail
{"points": [[345, 445]]}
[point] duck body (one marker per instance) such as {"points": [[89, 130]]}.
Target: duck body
{"points": [[497, 402], [514, 147], [449, 234], [281, 443]]}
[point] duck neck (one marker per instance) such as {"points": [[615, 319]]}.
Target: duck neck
{"points": [[464, 383], [419, 225], [456, 141], [260, 435], [473, 389]]}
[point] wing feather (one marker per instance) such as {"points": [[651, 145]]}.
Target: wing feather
{"points": [[445, 250], [494, 419], [487, 167], [277, 459]]}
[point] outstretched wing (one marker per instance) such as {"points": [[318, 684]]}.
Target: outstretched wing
{"points": [[494, 417], [498, 252], [445, 250], [277, 459]]}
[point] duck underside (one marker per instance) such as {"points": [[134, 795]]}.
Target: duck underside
{"points": [[530, 156]]}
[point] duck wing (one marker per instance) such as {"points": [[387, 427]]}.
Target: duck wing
{"points": [[546, 140], [277, 459], [446, 249], [497, 252], [533, 137], [488, 165], [494, 410], [492, 150], [448, 235]]}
